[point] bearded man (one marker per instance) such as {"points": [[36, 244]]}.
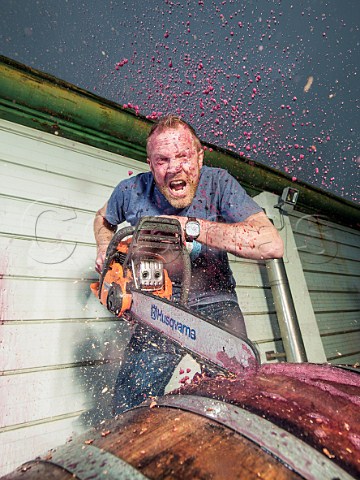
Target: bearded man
{"points": [[216, 216]]}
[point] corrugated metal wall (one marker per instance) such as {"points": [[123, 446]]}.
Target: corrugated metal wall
{"points": [[60, 349], [330, 256]]}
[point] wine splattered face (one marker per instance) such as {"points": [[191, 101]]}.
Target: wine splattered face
{"points": [[175, 162]]}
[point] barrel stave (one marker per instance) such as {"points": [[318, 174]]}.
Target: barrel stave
{"points": [[167, 443]]}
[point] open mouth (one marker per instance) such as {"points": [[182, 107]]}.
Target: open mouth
{"points": [[177, 186]]}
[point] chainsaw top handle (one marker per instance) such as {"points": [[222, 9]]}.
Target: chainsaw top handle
{"points": [[160, 236]]}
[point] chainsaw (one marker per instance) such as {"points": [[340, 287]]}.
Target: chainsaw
{"points": [[135, 285]]}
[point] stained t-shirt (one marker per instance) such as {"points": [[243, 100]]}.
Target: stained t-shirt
{"points": [[219, 198]]}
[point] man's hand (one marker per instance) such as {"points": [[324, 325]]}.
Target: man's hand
{"points": [[100, 259], [103, 232]]}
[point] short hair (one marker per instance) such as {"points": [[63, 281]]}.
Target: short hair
{"points": [[173, 121]]}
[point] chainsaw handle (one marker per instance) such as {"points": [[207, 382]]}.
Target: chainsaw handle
{"points": [[128, 231]]}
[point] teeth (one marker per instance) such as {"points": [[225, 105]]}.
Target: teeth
{"points": [[177, 183]]}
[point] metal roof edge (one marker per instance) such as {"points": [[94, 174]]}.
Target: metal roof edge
{"points": [[44, 102]]}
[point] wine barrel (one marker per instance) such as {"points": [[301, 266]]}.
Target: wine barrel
{"points": [[317, 404], [279, 422]]}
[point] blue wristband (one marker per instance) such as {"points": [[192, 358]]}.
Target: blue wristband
{"points": [[196, 249]]}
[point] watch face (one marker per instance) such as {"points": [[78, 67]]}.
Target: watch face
{"points": [[192, 229]]}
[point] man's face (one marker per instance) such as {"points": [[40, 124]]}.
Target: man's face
{"points": [[175, 164]]}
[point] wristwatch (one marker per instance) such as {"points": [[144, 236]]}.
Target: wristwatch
{"points": [[192, 229]]}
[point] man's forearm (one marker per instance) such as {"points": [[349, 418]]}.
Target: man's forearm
{"points": [[103, 232], [255, 238]]}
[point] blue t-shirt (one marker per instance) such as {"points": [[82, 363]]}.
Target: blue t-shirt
{"points": [[219, 198]]}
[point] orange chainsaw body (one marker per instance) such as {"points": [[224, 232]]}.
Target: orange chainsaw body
{"points": [[116, 284]]}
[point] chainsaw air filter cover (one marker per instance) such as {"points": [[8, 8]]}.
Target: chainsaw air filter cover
{"points": [[148, 274]]}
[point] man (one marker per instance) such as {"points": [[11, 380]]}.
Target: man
{"points": [[216, 216]]}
